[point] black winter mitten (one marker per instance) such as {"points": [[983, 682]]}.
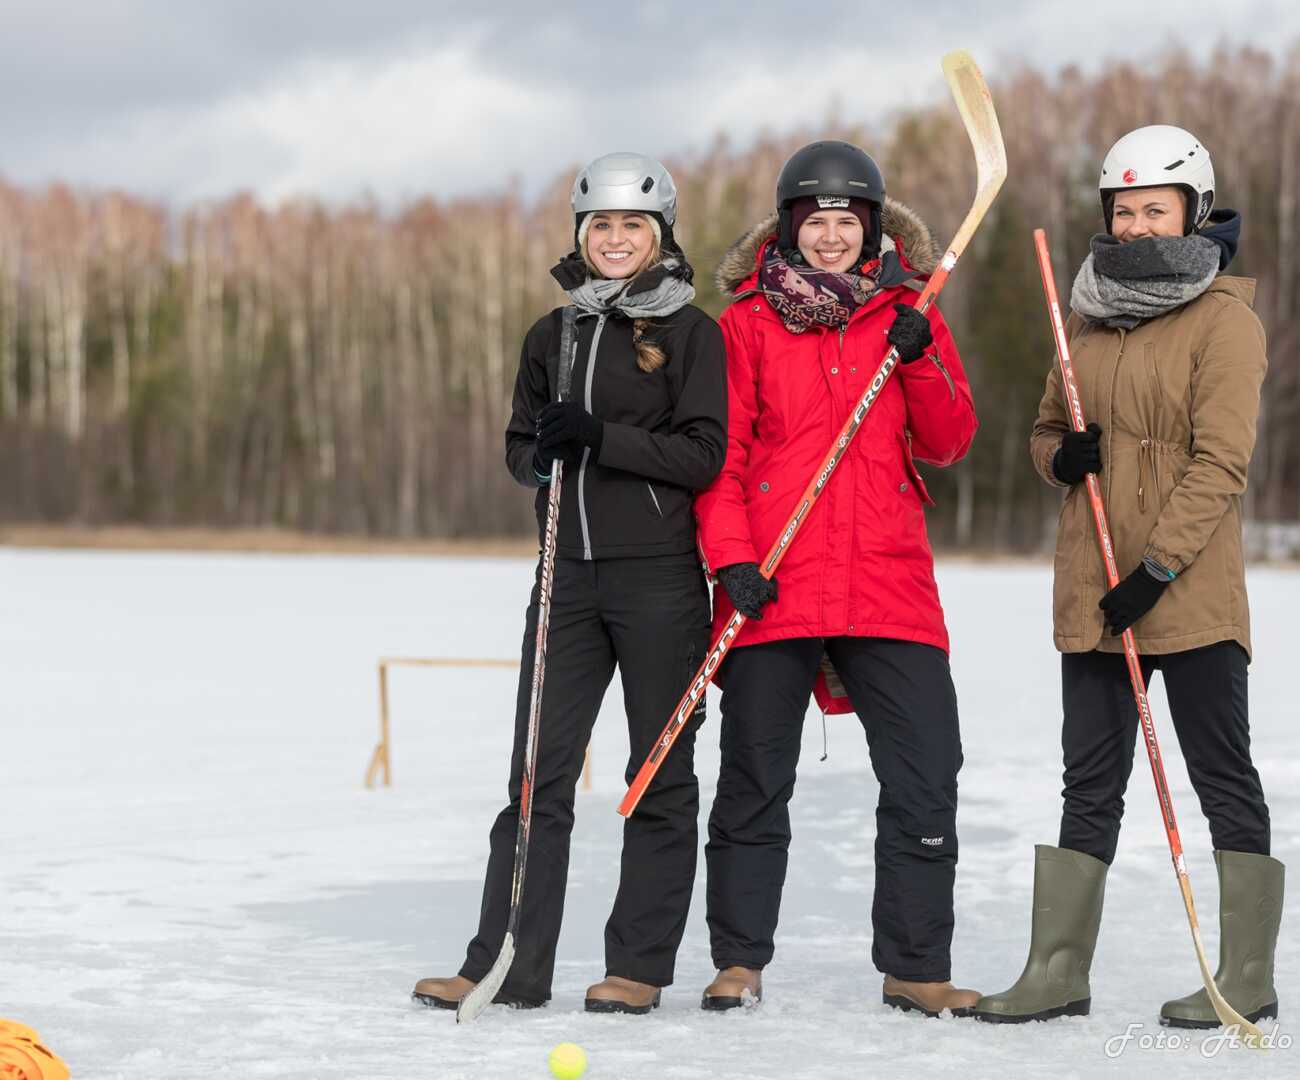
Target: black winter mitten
{"points": [[748, 590], [1080, 454], [910, 333], [567, 422], [1131, 599]]}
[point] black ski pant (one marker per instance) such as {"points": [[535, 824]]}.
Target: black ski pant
{"points": [[1206, 689], [650, 617], [903, 694]]}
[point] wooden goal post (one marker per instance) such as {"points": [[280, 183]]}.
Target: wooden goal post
{"points": [[381, 759]]}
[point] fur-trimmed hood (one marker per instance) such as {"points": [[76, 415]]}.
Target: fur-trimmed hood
{"points": [[899, 225]]}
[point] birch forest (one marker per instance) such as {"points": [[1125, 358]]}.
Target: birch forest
{"points": [[347, 369]]}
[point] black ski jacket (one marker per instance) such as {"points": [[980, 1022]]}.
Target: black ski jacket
{"points": [[665, 431]]}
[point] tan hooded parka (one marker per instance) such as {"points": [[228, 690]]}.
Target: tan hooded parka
{"points": [[1177, 398]]}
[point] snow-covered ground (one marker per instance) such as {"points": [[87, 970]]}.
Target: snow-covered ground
{"points": [[195, 883]]}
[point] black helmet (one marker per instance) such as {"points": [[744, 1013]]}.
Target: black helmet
{"points": [[834, 169]]}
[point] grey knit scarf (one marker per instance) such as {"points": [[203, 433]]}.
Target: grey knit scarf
{"points": [[669, 292], [1124, 284]]}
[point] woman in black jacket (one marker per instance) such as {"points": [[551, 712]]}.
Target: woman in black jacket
{"points": [[643, 425]]}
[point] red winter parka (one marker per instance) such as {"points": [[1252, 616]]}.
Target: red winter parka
{"points": [[861, 565]]}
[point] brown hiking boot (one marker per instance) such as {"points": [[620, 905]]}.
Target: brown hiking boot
{"points": [[615, 994], [442, 993], [733, 987], [446, 994], [930, 998]]}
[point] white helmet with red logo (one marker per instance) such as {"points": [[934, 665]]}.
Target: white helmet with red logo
{"points": [[1154, 157]]}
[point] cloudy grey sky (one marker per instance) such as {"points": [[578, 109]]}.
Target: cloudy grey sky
{"points": [[186, 100]]}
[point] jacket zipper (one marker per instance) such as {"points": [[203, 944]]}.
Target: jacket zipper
{"points": [[952, 389], [1108, 435], [1152, 449], [654, 499], [586, 450], [704, 559], [1153, 377]]}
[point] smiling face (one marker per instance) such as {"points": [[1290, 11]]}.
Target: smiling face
{"points": [[619, 243], [1156, 211], [831, 240]]}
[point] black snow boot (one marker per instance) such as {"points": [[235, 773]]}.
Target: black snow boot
{"points": [[1069, 887]]}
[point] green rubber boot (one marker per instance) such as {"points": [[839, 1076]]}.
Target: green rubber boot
{"points": [[1069, 887], [1250, 913]]}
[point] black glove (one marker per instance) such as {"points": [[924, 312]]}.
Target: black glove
{"points": [[1131, 599], [544, 464], [544, 457], [909, 333], [562, 423], [1080, 454], [747, 589]]}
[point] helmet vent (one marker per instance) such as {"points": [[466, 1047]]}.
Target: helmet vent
{"points": [[1170, 168], [858, 183], [584, 187], [647, 184], [808, 183]]}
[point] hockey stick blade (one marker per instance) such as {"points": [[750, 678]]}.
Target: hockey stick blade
{"points": [[481, 996], [970, 93], [1074, 407], [1250, 1034], [975, 104]]}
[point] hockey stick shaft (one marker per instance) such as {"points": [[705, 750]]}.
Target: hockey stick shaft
{"points": [[971, 95], [481, 996], [1074, 406], [478, 999]]}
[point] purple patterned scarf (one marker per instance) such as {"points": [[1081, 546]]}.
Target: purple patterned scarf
{"points": [[805, 297]]}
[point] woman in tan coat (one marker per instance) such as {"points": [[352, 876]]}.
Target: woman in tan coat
{"points": [[1169, 358]]}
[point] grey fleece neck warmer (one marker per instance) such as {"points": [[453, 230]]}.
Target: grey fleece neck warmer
{"points": [[600, 296], [1123, 285]]}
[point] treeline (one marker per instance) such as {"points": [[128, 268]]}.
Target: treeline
{"points": [[349, 370]]}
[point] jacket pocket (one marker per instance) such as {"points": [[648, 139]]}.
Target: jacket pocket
{"points": [[1153, 387], [905, 442]]}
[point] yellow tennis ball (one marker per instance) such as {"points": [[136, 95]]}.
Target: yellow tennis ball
{"points": [[568, 1061]]}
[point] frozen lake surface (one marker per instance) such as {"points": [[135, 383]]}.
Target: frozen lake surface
{"points": [[195, 883]]}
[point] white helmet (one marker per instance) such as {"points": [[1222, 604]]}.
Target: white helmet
{"points": [[1153, 157], [625, 182]]}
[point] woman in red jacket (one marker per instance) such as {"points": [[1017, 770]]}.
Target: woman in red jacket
{"points": [[821, 290]]}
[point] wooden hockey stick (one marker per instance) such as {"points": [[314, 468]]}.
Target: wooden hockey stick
{"points": [[975, 105], [1225, 1012]]}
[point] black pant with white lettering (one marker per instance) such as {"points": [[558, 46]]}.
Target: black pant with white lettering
{"points": [[904, 697], [1206, 689], [650, 617]]}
